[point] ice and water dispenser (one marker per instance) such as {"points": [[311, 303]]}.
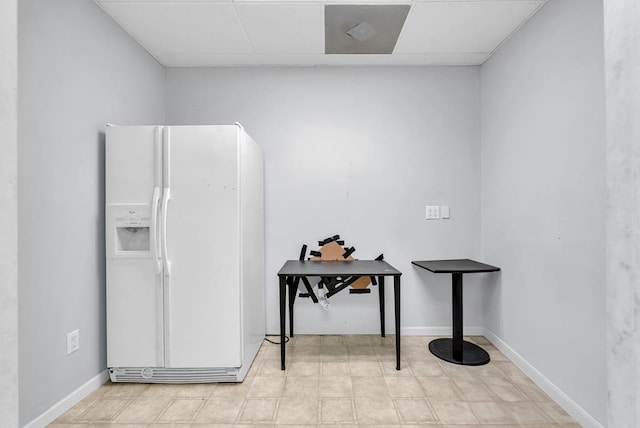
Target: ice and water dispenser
{"points": [[129, 231]]}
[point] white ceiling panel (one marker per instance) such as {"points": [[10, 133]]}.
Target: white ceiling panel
{"points": [[208, 60], [323, 60], [323, 2], [356, 59], [181, 27], [291, 60], [439, 59], [457, 26], [209, 33], [162, 1], [283, 28]]}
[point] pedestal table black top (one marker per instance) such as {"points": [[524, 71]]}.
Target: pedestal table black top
{"points": [[455, 266]]}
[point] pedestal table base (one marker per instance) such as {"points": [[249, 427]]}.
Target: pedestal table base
{"points": [[472, 354]]}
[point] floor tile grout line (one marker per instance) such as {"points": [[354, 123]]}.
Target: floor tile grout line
{"points": [[77, 417], [242, 408], [198, 410]]}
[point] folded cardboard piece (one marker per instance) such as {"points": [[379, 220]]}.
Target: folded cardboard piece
{"points": [[362, 282], [332, 249]]}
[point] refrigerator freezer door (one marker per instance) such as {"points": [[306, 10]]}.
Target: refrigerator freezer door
{"points": [[134, 288], [203, 248], [134, 338]]}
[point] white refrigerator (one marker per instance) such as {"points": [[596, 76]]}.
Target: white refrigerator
{"points": [[184, 239]]}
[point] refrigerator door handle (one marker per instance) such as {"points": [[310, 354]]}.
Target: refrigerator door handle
{"points": [[166, 196], [157, 261]]}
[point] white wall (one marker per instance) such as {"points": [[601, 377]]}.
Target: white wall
{"points": [[543, 193], [622, 70], [9, 213], [357, 152], [78, 70]]}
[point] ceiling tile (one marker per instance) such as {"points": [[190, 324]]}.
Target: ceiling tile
{"points": [[282, 28], [468, 1], [356, 59], [191, 33], [323, 60], [181, 27], [207, 60], [327, 2], [291, 60], [456, 26], [439, 59], [162, 1], [383, 22]]}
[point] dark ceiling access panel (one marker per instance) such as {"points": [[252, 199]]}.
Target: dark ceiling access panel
{"points": [[363, 29]]}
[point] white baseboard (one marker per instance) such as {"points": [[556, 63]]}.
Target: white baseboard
{"points": [[69, 401], [563, 400]]}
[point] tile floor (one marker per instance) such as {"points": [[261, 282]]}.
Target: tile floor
{"points": [[347, 381]]}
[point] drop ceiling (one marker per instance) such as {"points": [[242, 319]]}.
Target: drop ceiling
{"points": [[202, 33]]}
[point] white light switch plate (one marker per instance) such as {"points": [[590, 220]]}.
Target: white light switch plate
{"points": [[433, 212], [444, 211]]}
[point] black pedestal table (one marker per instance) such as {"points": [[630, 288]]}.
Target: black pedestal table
{"points": [[456, 349]]}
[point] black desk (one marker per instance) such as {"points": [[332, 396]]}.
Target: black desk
{"points": [[343, 269], [457, 350]]}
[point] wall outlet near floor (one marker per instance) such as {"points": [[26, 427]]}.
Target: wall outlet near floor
{"points": [[73, 341], [433, 212]]}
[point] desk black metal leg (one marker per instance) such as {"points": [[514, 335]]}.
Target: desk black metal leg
{"points": [[283, 292], [293, 290], [381, 295], [396, 299], [456, 289]]}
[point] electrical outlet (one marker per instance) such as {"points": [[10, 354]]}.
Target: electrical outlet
{"points": [[73, 341], [433, 212]]}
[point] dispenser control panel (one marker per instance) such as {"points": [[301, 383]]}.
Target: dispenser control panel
{"points": [[134, 217]]}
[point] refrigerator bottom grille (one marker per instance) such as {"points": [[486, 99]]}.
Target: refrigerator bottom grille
{"points": [[174, 375]]}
